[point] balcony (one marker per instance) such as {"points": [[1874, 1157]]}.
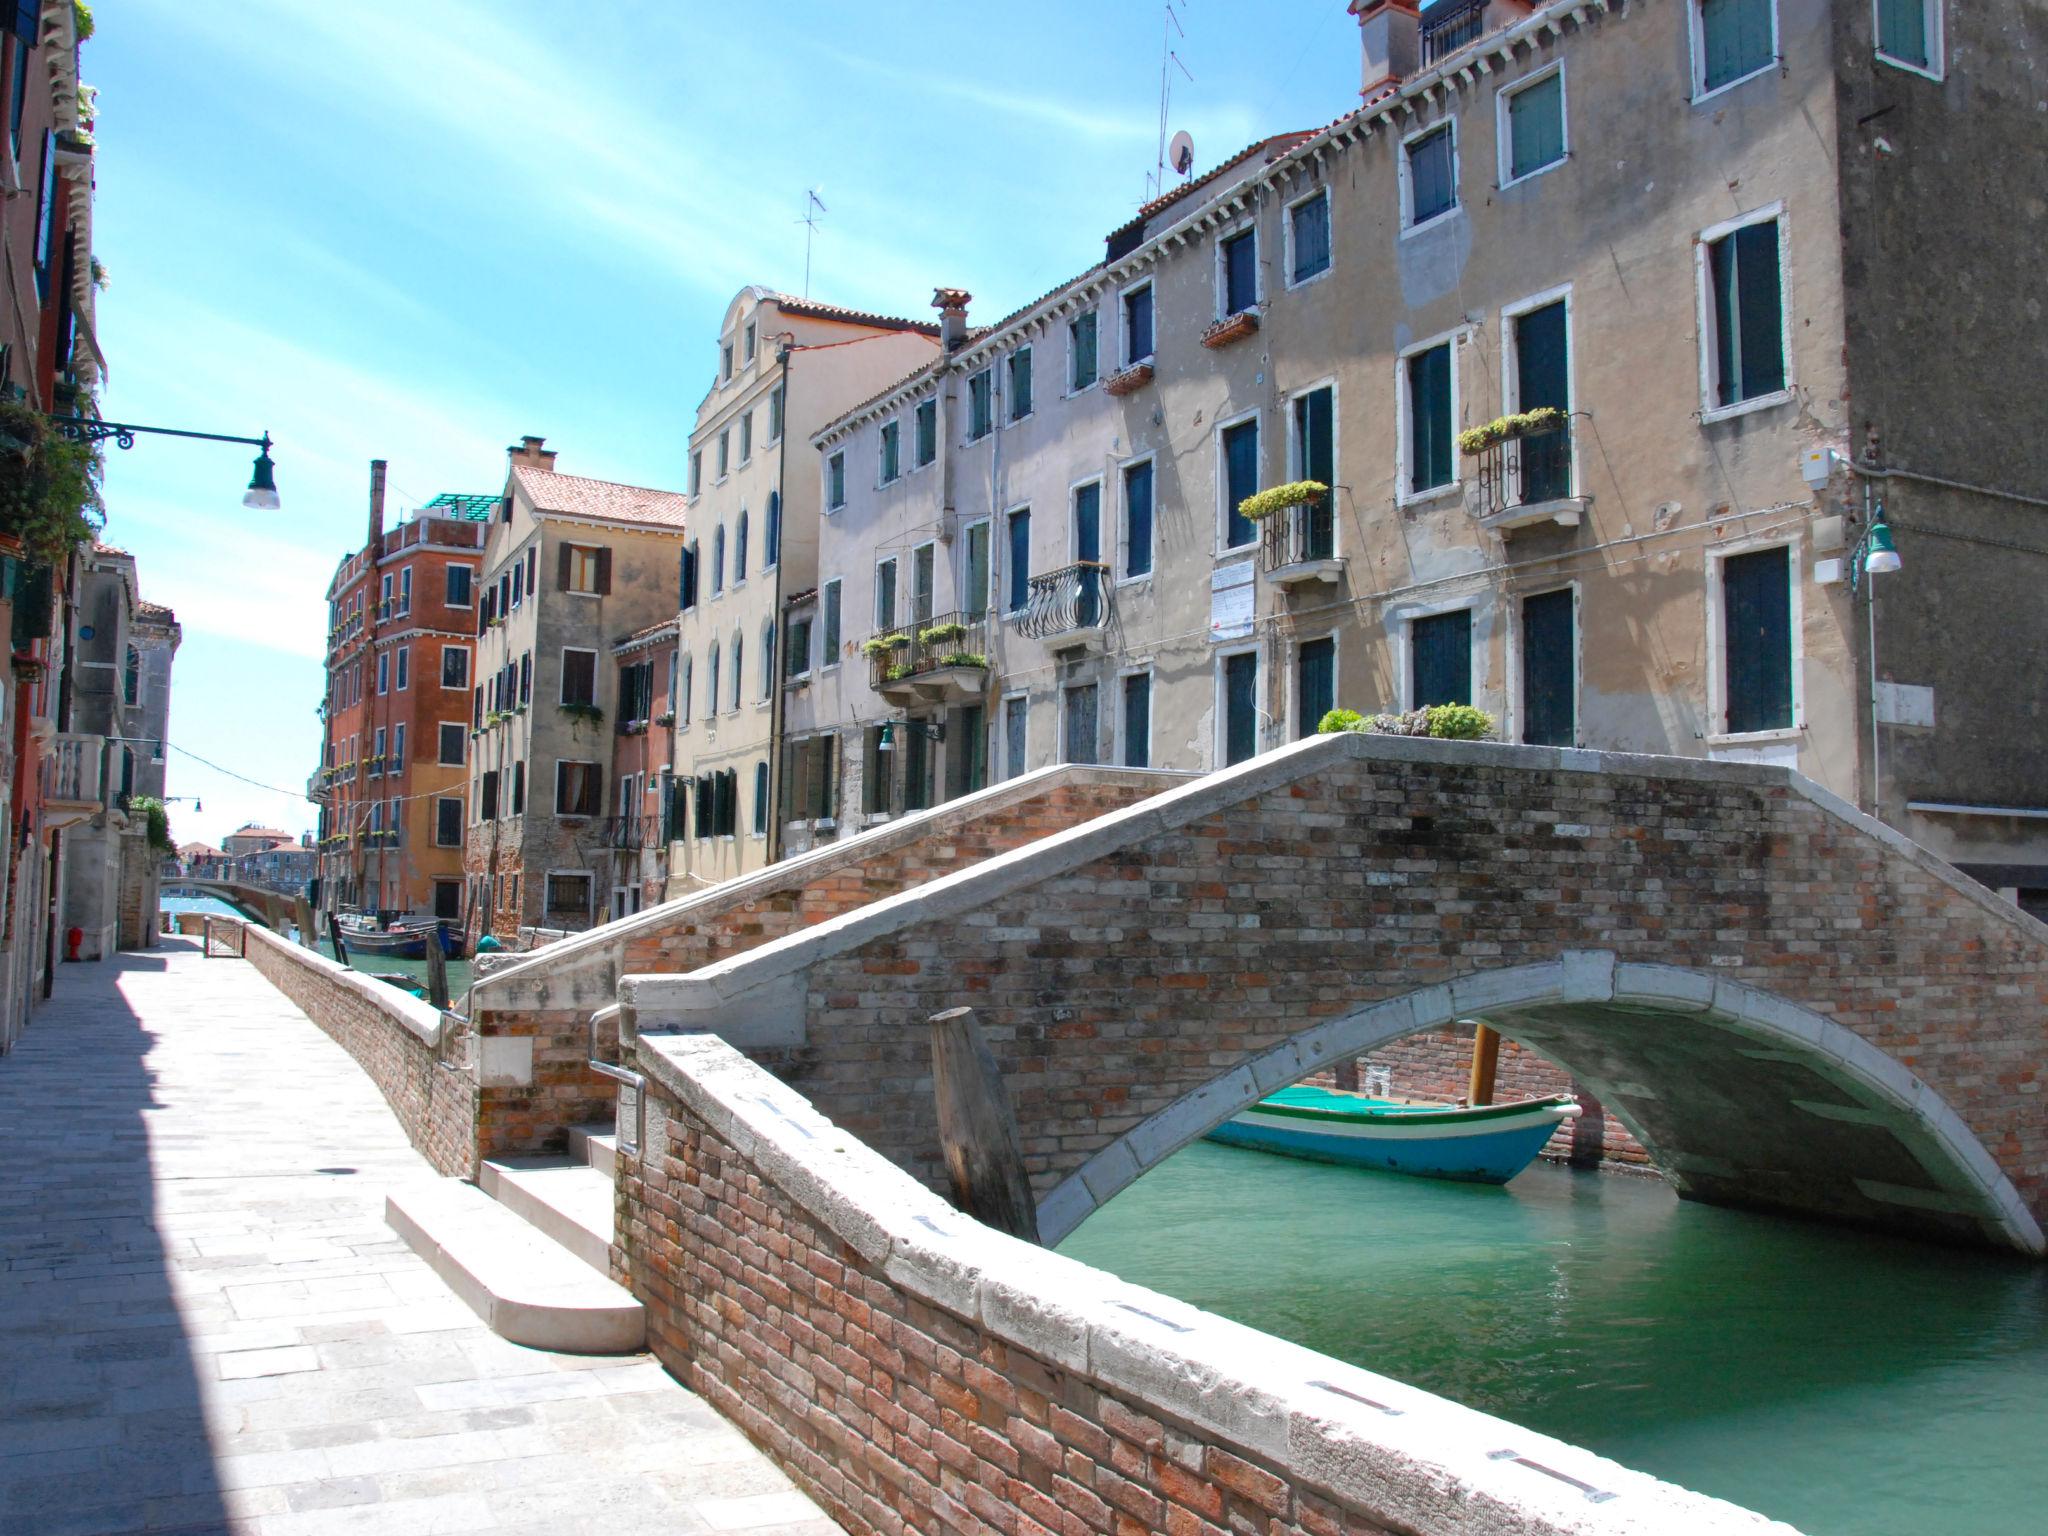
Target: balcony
{"points": [[942, 660], [1527, 480], [1069, 608], [1298, 545], [629, 834], [1449, 26], [74, 785]]}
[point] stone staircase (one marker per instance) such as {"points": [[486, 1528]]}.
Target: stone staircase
{"points": [[527, 1246]]}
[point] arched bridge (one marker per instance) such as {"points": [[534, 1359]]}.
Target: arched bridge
{"points": [[1790, 1005], [267, 907]]}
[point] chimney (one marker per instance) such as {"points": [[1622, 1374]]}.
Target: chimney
{"points": [[1389, 44], [531, 453], [951, 303], [376, 508]]}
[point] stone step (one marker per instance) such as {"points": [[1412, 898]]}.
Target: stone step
{"points": [[569, 1202], [526, 1287], [597, 1145]]}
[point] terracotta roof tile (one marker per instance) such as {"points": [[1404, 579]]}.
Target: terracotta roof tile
{"points": [[789, 304], [575, 496]]}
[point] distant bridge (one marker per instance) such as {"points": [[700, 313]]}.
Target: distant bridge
{"points": [[267, 907]]}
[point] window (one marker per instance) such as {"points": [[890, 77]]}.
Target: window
{"points": [[1083, 359], [569, 895], [775, 414], [718, 560], [447, 821], [1440, 659], [396, 762], [797, 663], [454, 667], [739, 550], [923, 573], [876, 792], [453, 748], [1532, 126], [1016, 725], [686, 577], [773, 551], [974, 571], [885, 594], [1137, 325], [1137, 731], [768, 660], [1732, 40], [384, 672], [725, 361], [835, 482], [377, 751], [967, 755], [739, 667], [927, 432], [579, 676], [807, 787], [1085, 546], [1238, 271], [1137, 520], [1315, 684], [1429, 176], [533, 566], [1240, 448], [746, 437], [1756, 635], [405, 592], [1314, 422], [684, 691], [1020, 560], [1538, 375], [1549, 667], [518, 791], [576, 789], [1426, 403], [18, 91], [1743, 300], [487, 796], [892, 457], [696, 471], [747, 343], [1308, 238], [829, 603], [760, 799], [1020, 384], [403, 668], [526, 677], [980, 404], [711, 687], [1239, 683], [724, 453], [584, 568]]}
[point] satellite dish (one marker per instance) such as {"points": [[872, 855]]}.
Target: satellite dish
{"points": [[1180, 154]]}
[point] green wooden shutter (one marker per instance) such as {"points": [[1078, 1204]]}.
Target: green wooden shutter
{"points": [[1240, 707], [1429, 418], [1536, 126], [1441, 666], [1736, 39], [1315, 684], [1757, 637], [1241, 477], [1902, 31], [1549, 718]]}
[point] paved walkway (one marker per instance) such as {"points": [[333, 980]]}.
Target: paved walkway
{"points": [[205, 1325]]}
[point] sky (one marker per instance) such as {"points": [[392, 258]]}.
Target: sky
{"points": [[417, 229]]}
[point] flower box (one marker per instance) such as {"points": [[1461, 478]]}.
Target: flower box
{"points": [[1231, 328], [1129, 381]]}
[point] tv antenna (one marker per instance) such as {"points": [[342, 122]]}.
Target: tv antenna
{"points": [[1169, 61], [812, 208]]}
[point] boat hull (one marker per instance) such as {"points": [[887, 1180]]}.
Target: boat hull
{"points": [[1485, 1146]]}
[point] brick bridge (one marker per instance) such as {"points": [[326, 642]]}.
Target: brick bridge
{"points": [[270, 908], [1790, 1005]]}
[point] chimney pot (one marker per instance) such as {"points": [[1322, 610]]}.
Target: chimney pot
{"points": [[951, 303], [377, 469], [1390, 44], [531, 452]]}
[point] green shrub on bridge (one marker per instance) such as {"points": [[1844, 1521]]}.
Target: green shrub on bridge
{"points": [[1446, 722]]}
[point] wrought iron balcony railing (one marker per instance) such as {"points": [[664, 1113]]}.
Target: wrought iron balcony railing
{"points": [[1448, 26], [1077, 598], [945, 640], [628, 833], [1526, 471], [1302, 535]]}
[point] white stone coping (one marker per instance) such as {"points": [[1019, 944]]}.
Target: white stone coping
{"points": [[583, 970], [758, 993], [424, 1021], [1405, 1457]]}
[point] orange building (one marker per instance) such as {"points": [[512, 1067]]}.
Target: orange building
{"points": [[401, 615]]}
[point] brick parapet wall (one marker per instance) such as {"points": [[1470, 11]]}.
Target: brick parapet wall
{"points": [[415, 1055], [552, 997], [914, 1371]]}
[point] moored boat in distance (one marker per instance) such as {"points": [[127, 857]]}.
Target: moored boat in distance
{"points": [[406, 939], [1488, 1144]]}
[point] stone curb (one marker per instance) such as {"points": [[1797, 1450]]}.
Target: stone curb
{"points": [[423, 1020]]}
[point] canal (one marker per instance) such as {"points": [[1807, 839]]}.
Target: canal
{"points": [[382, 965], [1848, 1384]]}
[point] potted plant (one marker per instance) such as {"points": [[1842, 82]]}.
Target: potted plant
{"points": [[1278, 498], [666, 718], [589, 714], [940, 634], [1474, 441], [878, 646], [963, 659]]}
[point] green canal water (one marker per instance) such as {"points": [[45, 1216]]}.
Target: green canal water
{"points": [[458, 970], [1847, 1384]]}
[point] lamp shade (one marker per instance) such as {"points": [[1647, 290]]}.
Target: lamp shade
{"points": [[886, 742], [1882, 554], [262, 492]]}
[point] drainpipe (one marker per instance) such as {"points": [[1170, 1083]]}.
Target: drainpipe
{"points": [[785, 354]]}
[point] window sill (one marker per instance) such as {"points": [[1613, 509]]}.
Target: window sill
{"points": [[1776, 397], [1075, 392], [1542, 170], [1924, 71], [1450, 490], [1295, 285], [1144, 579], [1756, 738], [1701, 94], [1434, 221]]}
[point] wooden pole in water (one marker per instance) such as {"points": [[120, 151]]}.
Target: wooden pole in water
{"points": [[334, 933], [302, 919], [978, 1129], [1485, 1060], [437, 969]]}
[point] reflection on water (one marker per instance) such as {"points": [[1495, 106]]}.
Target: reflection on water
{"points": [[1842, 1382]]}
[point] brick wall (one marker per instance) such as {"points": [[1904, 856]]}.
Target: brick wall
{"points": [[915, 1372], [553, 998], [411, 1052]]}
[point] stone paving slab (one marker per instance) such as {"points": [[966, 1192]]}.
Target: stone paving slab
{"points": [[206, 1327]]}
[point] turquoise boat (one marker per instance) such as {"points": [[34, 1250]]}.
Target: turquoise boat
{"points": [[1486, 1145]]}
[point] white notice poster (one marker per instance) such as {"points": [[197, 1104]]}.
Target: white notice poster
{"points": [[1230, 601]]}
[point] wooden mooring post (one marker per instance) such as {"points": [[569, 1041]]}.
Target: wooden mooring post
{"points": [[978, 1129], [334, 934], [302, 919], [1485, 1062], [437, 970]]}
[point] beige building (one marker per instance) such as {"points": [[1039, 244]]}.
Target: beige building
{"points": [[1631, 216], [570, 566], [785, 366]]}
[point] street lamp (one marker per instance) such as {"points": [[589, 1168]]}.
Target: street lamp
{"points": [[1873, 555], [262, 492], [887, 741]]}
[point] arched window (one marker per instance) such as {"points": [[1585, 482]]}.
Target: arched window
{"points": [[773, 552], [768, 660], [683, 693], [718, 561], [739, 551], [760, 799], [739, 670], [711, 693]]}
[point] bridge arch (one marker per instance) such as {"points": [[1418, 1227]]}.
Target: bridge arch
{"points": [[1741, 1097], [258, 905]]}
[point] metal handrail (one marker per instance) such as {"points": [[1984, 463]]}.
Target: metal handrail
{"points": [[1077, 596]]}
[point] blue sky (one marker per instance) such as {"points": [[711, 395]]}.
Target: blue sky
{"points": [[414, 231]]}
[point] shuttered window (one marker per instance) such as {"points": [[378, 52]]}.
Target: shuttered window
{"points": [[1735, 40], [1440, 669], [831, 604], [1756, 609], [1240, 479], [448, 821], [1549, 708], [576, 789], [835, 482], [981, 417], [1137, 732], [1902, 32], [1536, 126], [1078, 724], [1747, 311], [579, 677], [1315, 458], [1020, 384], [1016, 723], [1432, 176], [892, 451], [1020, 560], [760, 799], [1138, 519], [1240, 707], [583, 568], [1240, 272], [1429, 418], [1309, 224], [1083, 363], [1315, 684], [927, 432], [1138, 325], [974, 585]]}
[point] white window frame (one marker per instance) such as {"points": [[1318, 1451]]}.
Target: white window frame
{"points": [[890, 626], [1400, 623], [1504, 134], [464, 685], [547, 894], [401, 669], [1003, 730], [836, 456], [1102, 513], [882, 475], [1010, 416], [1297, 466], [1149, 672], [1510, 362], [1069, 392], [1287, 239], [383, 673], [1403, 407], [575, 551], [1717, 658], [1123, 519], [1065, 687], [917, 409], [1335, 636], [562, 674], [1222, 520], [1511, 715], [988, 596], [828, 660], [1704, 316], [1406, 177], [1246, 226], [1123, 324], [1219, 745], [1936, 67], [995, 405], [1696, 33], [911, 591]]}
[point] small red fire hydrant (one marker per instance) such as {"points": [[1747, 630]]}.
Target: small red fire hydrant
{"points": [[73, 937]]}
